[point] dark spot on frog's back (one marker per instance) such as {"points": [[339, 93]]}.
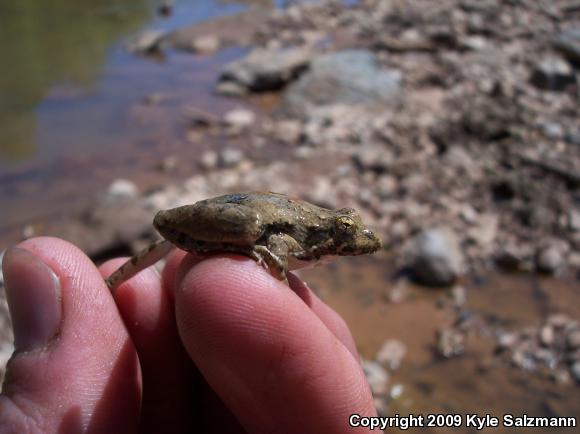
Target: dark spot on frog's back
{"points": [[236, 198]]}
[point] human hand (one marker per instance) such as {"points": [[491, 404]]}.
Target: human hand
{"points": [[210, 346]]}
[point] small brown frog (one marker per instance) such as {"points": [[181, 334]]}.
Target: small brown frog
{"points": [[282, 233]]}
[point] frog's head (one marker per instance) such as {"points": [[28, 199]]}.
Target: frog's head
{"points": [[351, 237]]}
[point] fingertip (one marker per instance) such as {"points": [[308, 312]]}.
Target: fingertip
{"points": [[331, 319], [264, 351]]}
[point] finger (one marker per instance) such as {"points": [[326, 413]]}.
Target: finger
{"points": [[270, 358], [167, 371], [75, 368], [173, 267], [327, 315]]}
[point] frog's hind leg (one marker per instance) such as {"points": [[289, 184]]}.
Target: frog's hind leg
{"points": [[145, 258]]}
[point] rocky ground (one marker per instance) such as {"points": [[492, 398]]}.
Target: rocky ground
{"points": [[453, 127]]}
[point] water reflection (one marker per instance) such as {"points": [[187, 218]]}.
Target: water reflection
{"points": [[43, 43]]}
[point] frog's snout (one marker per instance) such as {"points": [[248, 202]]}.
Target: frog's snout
{"points": [[160, 220], [372, 241]]}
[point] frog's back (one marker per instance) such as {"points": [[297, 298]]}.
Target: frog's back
{"points": [[274, 207]]}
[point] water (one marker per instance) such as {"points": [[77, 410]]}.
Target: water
{"points": [[64, 85], [477, 382]]}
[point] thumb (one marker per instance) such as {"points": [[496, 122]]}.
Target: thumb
{"points": [[74, 368]]}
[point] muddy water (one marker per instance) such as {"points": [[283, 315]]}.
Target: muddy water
{"points": [[73, 102], [479, 381]]}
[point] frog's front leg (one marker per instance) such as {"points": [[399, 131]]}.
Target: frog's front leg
{"points": [[275, 254], [145, 258]]}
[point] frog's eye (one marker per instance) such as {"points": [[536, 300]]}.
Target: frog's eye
{"points": [[345, 224]]}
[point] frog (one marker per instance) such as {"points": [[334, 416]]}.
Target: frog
{"points": [[278, 232]]}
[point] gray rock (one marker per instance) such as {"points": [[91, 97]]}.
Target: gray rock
{"points": [[209, 160], [568, 42], [377, 377], [289, 131], [230, 157], [450, 342], [350, 77], [230, 88], [573, 137], [553, 74], [373, 158], [122, 188], [147, 42], [205, 44], [547, 336], [512, 257], [239, 118], [549, 259], [458, 295], [436, 259], [265, 70], [552, 130], [573, 340], [391, 354], [574, 220], [575, 371], [507, 340]]}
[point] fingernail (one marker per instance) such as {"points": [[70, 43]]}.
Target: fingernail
{"points": [[33, 294]]}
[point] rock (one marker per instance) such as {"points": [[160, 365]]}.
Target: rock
{"points": [[289, 131], [550, 259], [391, 354], [513, 256], [168, 163], [209, 159], [265, 70], [373, 158], [558, 320], [377, 377], [575, 371], [146, 42], [239, 118], [229, 88], [523, 360], [396, 391], [450, 342], [553, 74], [459, 295], [230, 157], [507, 340], [205, 44], [561, 376], [399, 292], [547, 336], [165, 8], [350, 77], [474, 43], [568, 42], [574, 220], [485, 231], [573, 137], [153, 98], [552, 130], [436, 258], [386, 186], [122, 188], [573, 340]]}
